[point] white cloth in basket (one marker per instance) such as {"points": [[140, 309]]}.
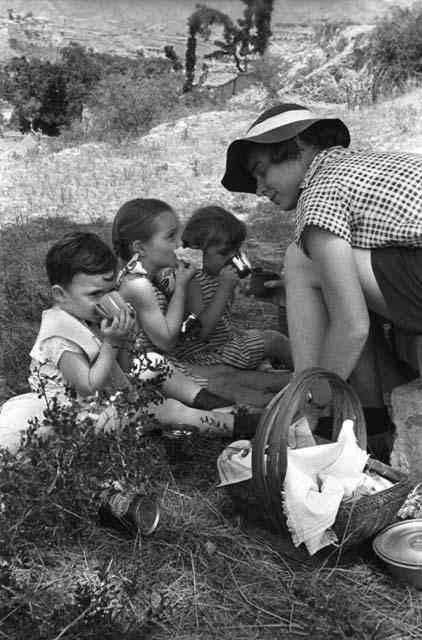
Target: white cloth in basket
{"points": [[317, 479]]}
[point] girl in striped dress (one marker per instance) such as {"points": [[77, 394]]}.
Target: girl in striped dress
{"points": [[210, 293], [145, 236]]}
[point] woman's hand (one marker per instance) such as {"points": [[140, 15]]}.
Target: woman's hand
{"points": [[185, 272], [229, 277], [118, 331]]}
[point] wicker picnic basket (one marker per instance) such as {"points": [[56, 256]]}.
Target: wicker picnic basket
{"points": [[259, 498]]}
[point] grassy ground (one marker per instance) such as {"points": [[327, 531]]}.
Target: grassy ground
{"points": [[201, 574]]}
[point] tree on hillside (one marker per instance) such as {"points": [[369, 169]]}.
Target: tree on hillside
{"points": [[48, 95], [36, 89], [248, 35], [51, 96]]}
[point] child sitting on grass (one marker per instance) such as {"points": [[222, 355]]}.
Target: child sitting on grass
{"points": [[76, 348], [219, 234], [145, 236]]}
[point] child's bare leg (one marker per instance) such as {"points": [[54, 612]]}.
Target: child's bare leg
{"points": [[277, 345], [177, 385], [238, 393], [272, 381], [211, 371], [211, 423], [219, 374]]}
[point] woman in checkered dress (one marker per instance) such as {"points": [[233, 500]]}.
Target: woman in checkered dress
{"points": [[358, 239]]}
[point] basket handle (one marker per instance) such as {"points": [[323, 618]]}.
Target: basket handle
{"points": [[269, 451]]}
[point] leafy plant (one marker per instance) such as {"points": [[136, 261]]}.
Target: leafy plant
{"points": [[131, 103], [75, 453], [395, 47], [51, 96]]}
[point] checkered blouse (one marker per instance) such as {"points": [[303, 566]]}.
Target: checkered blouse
{"points": [[368, 199]]}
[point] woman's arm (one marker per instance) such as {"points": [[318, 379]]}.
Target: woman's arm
{"points": [[334, 271], [210, 316]]}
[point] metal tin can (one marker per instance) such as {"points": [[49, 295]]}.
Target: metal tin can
{"points": [[190, 327], [132, 511], [241, 263]]}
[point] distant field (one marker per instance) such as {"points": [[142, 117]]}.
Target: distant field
{"points": [[172, 14]]}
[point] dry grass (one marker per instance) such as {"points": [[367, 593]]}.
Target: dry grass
{"points": [[200, 575]]}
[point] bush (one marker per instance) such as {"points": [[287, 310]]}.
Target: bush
{"points": [[396, 45], [129, 104], [51, 96], [271, 71]]}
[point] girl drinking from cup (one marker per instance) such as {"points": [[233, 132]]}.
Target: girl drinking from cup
{"points": [[145, 237], [219, 234]]}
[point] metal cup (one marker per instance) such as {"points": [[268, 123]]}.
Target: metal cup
{"points": [[110, 303], [241, 263], [190, 328], [257, 284]]}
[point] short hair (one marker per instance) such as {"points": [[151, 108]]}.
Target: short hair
{"points": [[322, 134], [136, 220], [211, 225], [78, 252]]}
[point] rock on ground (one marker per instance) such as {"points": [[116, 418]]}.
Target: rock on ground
{"points": [[406, 403]]}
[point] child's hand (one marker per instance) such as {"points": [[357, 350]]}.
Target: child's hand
{"points": [[118, 331], [184, 272], [229, 277]]}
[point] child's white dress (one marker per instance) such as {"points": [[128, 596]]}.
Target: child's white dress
{"points": [[59, 332]]}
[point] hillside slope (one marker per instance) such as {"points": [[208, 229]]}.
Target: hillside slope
{"points": [[174, 13]]}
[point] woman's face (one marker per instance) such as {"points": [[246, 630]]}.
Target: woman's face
{"points": [[279, 182]]}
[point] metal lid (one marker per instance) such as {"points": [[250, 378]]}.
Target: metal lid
{"points": [[401, 543], [146, 514]]}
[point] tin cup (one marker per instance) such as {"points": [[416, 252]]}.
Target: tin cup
{"points": [[190, 328], [129, 511], [241, 263], [257, 284], [110, 304]]}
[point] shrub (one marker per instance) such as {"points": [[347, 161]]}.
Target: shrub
{"points": [[50, 491], [271, 71], [130, 104], [396, 45], [51, 96]]}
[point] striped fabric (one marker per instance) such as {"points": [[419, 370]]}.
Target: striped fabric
{"points": [[369, 199], [143, 343], [241, 349]]}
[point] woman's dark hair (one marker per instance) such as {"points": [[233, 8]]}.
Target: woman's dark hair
{"points": [[78, 252], [136, 220], [322, 134], [211, 225]]}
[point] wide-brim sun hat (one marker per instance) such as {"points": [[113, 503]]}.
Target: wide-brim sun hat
{"points": [[278, 124]]}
